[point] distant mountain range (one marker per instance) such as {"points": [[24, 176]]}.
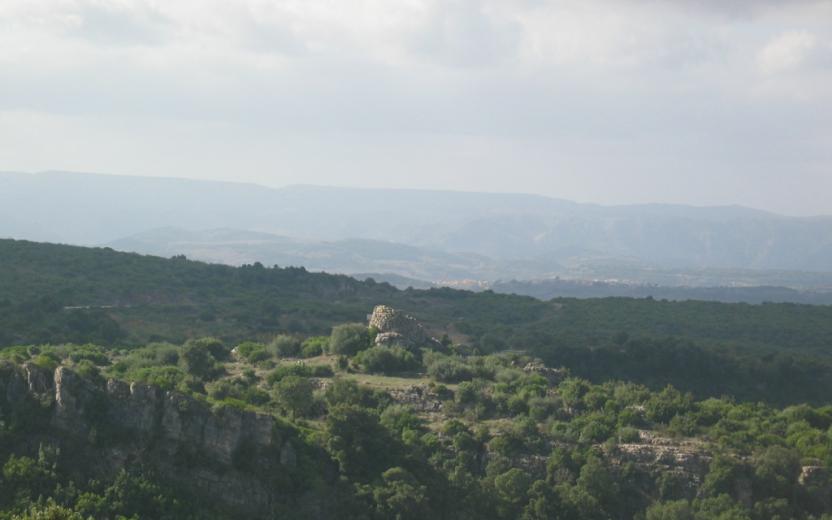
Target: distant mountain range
{"points": [[421, 235], [349, 256]]}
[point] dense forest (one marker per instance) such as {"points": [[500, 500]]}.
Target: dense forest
{"points": [[554, 288], [367, 432], [143, 387], [774, 352]]}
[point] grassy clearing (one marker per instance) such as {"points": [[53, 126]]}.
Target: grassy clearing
{"points": [[387, 382]]}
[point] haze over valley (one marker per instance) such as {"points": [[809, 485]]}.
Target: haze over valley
{"points": [[416, 237]]}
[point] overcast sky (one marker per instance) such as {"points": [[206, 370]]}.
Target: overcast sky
{"points": [[691, 101]]}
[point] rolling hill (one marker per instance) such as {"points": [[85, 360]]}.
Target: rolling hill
{"points": [[56, 294], [555, 234]]}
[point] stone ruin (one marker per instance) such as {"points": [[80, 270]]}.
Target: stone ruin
{"points": [[397, 328]]}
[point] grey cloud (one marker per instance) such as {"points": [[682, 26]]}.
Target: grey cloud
{"points": [[464, 33], [443, 99], [116, 24], [734, 9]]}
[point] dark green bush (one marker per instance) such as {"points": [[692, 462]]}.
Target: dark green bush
{"points": [[215, 346], [252, 352], [168, 378], [47, 361], [385, 360], [91, 353], [349, 339], [294, 394], [299, 369], [314, 346], [449, 370], [285, 345], [197, 360]]}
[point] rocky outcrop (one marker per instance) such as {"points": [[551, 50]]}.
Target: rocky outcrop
{"points": [[553, 375], [686, 460], [397, 328], [419, 397], [79, 405], [814, 476], [228, 454], [14, 388]]}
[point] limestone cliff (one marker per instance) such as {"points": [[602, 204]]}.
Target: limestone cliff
{"points": [[241, 459]]}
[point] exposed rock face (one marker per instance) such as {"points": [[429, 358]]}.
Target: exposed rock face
{"points": [[77, 402], [15, 387], [38, 380], [687, 460], [397, 328], [419, 397], [813, 475], [222, 453]]}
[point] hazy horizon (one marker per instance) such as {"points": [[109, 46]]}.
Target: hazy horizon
{"points": [[699, 103], [427, 190]]}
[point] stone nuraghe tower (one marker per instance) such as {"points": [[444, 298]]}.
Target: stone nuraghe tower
{"points": [[397, 328]]}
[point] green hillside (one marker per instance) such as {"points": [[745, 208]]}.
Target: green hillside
{"points": [[114, 404], [54, 294]]}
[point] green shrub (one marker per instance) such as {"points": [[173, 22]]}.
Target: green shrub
{"points": [[168, 378], [215, 346], [88, 370], [314, 346], [238, 389], [454, 369], [628, 434], [252, 352], [347, 391], [449, 370], [349, 339], [154, 354], [398, 418], [294, 394], [91, 353], [386, 360], [47, 361], [197, 360], [542, 407], [285, 345], [668, 403]]}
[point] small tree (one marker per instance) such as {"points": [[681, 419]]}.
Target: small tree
{"points": [[197, 360], [349, 339], [776, 472], [401, 496], [216, 347], [285, 345], [314, 346], [253, 352], [386, 360], [512, 487], [294, 393], [360, 444], [347, 391]]}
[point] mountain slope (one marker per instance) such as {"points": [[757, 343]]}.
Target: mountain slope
{"points": [[236, 247], [94, 209]]}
